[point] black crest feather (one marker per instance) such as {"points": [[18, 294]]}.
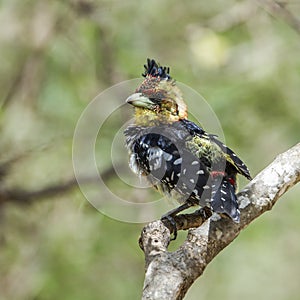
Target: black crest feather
{"points": [[155, 70]]}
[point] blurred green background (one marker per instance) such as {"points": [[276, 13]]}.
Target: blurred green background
{"points": [[56, 56]]}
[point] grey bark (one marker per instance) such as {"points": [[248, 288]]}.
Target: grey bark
{"points": [[169, 275]]}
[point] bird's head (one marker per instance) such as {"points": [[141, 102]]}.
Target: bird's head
{"points": [[157, 99]]}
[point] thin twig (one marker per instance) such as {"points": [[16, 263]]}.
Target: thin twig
{"points": [[278, 9], [23, 196]]}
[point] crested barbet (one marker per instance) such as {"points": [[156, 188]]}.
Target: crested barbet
{"points": [[177, 156]]}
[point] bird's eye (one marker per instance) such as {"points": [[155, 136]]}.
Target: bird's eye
{"points": [[155, 100]]}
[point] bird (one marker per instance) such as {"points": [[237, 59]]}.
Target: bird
{"points": [[178, 157]]}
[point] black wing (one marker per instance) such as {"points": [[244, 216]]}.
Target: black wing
{"points": [[167, 161], [230, 156], [158, 157]]}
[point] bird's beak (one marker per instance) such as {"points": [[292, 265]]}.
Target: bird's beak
{"points": [[139, 100]]}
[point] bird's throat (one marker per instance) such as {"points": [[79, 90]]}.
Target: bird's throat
{"points": [[145, 117]]}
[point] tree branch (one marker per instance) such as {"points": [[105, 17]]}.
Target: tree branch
{"points": [[169, 275], [24, 196], [278, 9]]}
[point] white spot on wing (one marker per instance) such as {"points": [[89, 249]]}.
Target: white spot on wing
{"points": [[167, 156], [178, 161], [172, 176], [155, 155], [200, 172]]}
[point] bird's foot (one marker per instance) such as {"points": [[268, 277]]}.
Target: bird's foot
{"points": [[170, 220], [170, 217], [204, 212]]}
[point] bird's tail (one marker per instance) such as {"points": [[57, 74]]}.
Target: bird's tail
{"points": [[224, 200]]}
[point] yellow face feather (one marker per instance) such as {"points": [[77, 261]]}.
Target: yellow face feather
{"points": [[158, 101]]}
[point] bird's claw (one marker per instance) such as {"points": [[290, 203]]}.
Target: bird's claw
{"points": [[171, 221], [204, 212]]}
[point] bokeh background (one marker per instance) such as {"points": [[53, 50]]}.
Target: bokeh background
{"points": [[56, 56]]}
